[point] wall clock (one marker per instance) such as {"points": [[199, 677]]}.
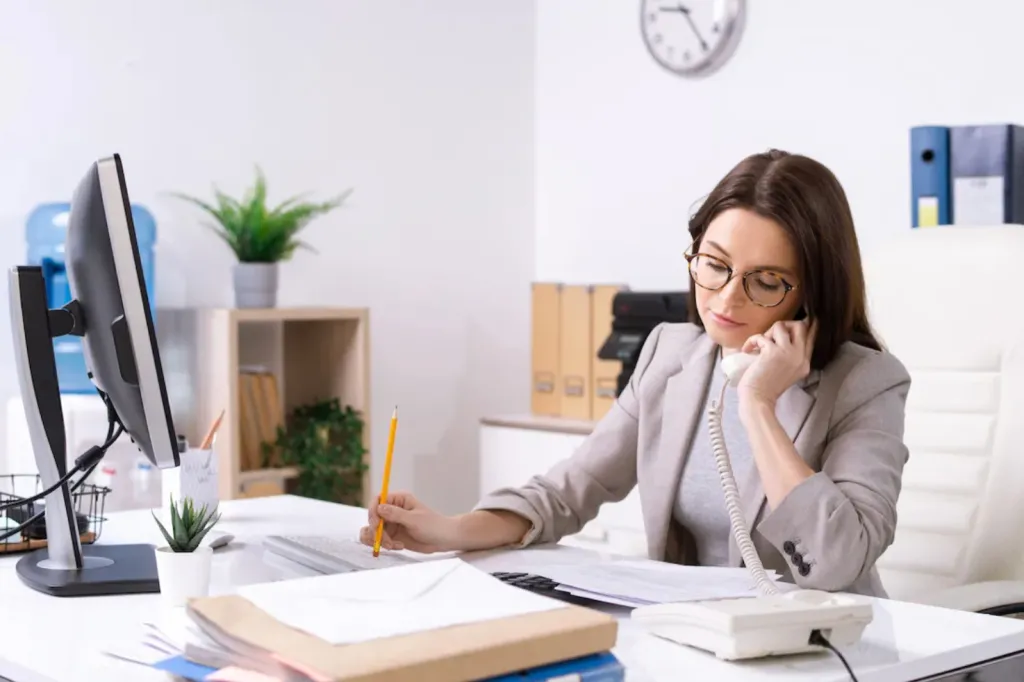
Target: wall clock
{"points": [[692, 38]]}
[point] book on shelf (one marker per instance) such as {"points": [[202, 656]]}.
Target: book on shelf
{"points": [[260, 415]]}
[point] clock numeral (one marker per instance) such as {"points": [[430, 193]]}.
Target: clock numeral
{"points": [[657, 38], [686, 56]]}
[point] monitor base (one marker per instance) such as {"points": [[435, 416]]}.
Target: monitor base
{"points": [[108, 569]]}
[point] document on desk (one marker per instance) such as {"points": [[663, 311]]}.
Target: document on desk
{"points": [[637, 583], [348, 608]]}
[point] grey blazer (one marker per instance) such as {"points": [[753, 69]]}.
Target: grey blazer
{"points": [[846, 421]]}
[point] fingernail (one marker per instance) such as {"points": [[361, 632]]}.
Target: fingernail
{"points": [[383, 509]]}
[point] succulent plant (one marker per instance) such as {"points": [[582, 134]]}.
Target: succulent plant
{"points": [[188, 525]]}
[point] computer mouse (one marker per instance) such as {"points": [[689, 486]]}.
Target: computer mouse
{"points": [[221, 540]]}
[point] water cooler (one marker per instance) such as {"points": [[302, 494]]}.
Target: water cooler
{"points": [[45, 233], [84, 412]]}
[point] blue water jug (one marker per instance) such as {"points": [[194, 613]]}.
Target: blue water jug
{"points": [[45, 233]]}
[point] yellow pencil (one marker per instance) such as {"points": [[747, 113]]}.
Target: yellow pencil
{"points": [[387, 477]]}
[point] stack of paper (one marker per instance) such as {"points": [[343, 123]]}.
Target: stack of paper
{"points": [[438, 620], [637, 583], [428, 596]]}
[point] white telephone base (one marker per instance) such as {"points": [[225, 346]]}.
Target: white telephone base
{"points": [[755, 627]]}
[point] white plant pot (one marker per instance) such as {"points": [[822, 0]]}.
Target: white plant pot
{"points": [[183, 575], [255, 285]]}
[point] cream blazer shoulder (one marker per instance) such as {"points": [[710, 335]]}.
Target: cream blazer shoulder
{"points": [[846, 422]]}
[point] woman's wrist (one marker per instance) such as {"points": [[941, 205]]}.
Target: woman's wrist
{"points": [[486, 529], [755, 409]]}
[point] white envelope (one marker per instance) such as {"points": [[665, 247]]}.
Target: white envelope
{"points": [[360, 606]]}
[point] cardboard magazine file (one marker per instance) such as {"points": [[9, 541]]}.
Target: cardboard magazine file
{"points": [[453, 654]]}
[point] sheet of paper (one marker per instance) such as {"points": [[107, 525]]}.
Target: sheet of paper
{"points": [[648, 582], [136, 652], [236, 674], [175, 629], [605, 598], [356, 607]]}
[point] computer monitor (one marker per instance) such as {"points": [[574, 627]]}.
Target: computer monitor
{"points": [[110, 310]]}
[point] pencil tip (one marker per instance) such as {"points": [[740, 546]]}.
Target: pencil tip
{"points": [[396, 411]]}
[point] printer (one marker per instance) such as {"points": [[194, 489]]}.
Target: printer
{"points": [[634, 315]]}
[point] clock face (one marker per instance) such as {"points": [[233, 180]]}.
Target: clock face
{"points": [[692, 37]]}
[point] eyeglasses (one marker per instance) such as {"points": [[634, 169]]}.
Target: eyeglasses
{"points": [[763, 287]]}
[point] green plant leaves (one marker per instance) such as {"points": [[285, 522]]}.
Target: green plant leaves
{"points": [[325, 442], [256, 233], [188, 525]]}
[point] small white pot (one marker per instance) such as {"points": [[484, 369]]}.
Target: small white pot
{"points": [[255, 285], [183, 575]]}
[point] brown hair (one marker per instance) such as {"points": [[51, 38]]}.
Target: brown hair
{"points": [[807, 201]]}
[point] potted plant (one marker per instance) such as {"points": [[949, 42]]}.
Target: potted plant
{"points": [[183, 564], [260, 236], [324, 441]]}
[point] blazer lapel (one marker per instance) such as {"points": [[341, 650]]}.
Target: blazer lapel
{"points": [[682, 406], [791, 410]]}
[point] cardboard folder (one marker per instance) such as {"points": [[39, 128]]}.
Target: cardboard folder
{"points": [[576, 352], [546, 319], [454, 654], [604, 373]]}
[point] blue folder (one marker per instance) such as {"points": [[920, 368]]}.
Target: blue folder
{"points": [[594, 668], [182, 668], [987, 172], [930, 178]]}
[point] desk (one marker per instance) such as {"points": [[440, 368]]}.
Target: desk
{"points": [[904, 642]]}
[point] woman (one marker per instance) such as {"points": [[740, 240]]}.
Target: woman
{"points": [[814, 428]]}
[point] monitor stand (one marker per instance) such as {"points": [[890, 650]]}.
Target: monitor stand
{"points": [[105, 569], [64, 567]]}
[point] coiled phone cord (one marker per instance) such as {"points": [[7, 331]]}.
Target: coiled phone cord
{"points": [[732, 499]]}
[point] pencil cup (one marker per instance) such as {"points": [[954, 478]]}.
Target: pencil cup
{"points": [[183, 575], [196, 477]]}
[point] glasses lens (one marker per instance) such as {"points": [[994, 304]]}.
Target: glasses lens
{"points": [[709, 272], [764, 288]]}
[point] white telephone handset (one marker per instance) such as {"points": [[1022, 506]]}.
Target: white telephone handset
{"points": [[736, 364], [773, 624]]}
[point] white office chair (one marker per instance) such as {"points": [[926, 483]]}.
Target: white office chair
{"points": [[949, 302]]}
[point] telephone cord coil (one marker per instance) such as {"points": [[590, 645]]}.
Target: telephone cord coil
{"points": [[732, 504]]}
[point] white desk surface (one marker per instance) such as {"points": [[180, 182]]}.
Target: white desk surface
{"points": [[47, 639]]}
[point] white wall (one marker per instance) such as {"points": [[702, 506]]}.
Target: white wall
{"points": [[423, 106], [625, 150]]}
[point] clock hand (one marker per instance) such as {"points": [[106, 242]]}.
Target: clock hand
{"points": [[693, 27]]}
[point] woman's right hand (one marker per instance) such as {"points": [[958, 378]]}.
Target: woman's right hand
{"points": [[409, 524]]}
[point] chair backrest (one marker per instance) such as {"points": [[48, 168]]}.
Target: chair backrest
{"points": [[949, 303]]}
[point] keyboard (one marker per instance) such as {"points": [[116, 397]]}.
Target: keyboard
{"points": [[527, 581], [327, 554]]}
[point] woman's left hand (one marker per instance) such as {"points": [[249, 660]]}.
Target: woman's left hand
{"points": [[784, 357]]}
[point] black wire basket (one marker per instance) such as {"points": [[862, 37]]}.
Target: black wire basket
{"points": [[88, 502]]}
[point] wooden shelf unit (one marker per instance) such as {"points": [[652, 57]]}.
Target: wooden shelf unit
{"points": [[313, 354]]}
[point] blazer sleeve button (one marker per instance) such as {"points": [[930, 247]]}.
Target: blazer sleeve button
{"points": [[788, 547], [798, 559], [804, 569]]}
